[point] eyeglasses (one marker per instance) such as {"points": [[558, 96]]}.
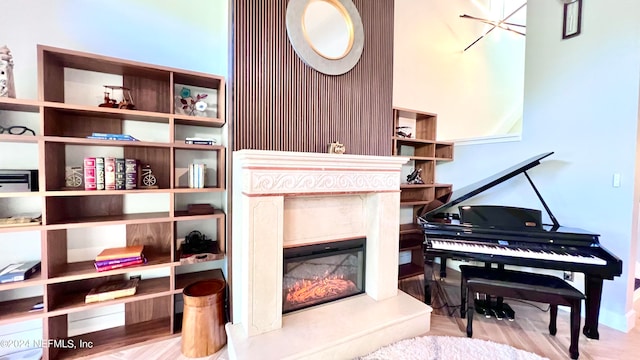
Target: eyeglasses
{"points": [[16, 130]]}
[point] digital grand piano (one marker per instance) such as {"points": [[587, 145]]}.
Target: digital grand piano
{"points": [[514, 236]]}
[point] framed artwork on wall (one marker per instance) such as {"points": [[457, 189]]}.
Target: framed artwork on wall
{"points": [[572, 18]]}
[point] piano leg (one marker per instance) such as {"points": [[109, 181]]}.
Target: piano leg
{"points": [[593, 292], [428, 279], [443, 268]]}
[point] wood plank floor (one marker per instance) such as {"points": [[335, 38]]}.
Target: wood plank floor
{"points": [[529, 331]]}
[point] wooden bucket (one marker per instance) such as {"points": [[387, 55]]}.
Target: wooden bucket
{"points": [[203, 318]]}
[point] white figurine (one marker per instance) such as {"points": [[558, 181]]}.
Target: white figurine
{"points": [[7, 86]]}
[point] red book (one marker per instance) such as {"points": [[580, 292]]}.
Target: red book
{"points": [[90, 173], [110, 173], [120, 265]]}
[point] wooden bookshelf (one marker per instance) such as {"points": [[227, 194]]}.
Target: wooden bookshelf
{"points": [[423, 151], [61, 134]]}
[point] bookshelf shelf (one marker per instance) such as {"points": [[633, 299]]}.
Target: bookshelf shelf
{"points": [[76, 222]]}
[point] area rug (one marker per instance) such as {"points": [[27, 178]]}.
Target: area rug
{"points": [[449, 348]]}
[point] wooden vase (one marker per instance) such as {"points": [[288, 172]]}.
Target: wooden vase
{"points": [[203, 319]]}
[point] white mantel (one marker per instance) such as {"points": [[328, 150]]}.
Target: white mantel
{"points": [[289, 199]]}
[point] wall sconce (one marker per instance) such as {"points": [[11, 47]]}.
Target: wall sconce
{"points": [[572, 18]]}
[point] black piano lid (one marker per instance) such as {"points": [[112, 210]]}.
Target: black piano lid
{"points": [[476, 188]]}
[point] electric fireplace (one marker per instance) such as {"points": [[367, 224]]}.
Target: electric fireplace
{"points": [[319, 273]]}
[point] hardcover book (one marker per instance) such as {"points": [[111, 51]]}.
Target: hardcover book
{"points": [[120, 253], [110, 173], [131, 173], [120, 174], [99, 173], [117, 261], [121, 264], [19, 271], [112, 290], [90, 173]]}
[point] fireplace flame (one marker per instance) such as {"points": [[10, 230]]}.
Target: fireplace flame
{"points": [[329, 287]]}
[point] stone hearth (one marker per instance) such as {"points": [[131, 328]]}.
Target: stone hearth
{"points": [[286, 199]]}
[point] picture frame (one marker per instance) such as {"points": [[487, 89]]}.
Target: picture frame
{"points": [[572, 19]]}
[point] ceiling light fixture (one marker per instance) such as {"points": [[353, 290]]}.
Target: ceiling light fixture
{"points": [[494, 24]]}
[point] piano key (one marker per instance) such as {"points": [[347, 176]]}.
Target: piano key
{"points": [[441, 244]]}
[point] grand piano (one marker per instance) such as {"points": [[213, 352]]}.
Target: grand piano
{"points": [[529, 244]]}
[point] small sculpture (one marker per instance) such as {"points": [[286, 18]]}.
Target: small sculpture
{"points": [[147, 178], [73, 178], [125, 103], [335, 148], [414, 177], [7, 85], [192, 106], [403, 131]]}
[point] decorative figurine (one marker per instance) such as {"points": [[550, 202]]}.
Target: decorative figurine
{"points": [[147, 178], [7, 85], [335, 148], [125, 103], [73, 176], [414, 177], [403, 131], [190, 105]]}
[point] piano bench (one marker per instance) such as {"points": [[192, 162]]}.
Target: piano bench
{"points": [[522, 285]]}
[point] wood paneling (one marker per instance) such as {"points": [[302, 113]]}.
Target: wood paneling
{"points": [[279, 103]]}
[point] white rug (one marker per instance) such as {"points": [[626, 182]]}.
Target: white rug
{"points": [[449, 348]]}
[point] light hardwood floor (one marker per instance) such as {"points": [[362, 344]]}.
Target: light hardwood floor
{"points": [[529, 331]]}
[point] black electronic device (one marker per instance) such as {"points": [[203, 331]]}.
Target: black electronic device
{"points": [[18, 180], [197, 243]]}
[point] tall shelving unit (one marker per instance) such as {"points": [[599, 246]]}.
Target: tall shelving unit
{"points": [[154, 312], [424, 152]]}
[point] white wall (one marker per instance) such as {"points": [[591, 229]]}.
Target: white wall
{"points": [[581, 101], [189, 35], [483, 86]]}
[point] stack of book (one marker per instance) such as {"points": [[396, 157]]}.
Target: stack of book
{"points": [[110, 173], [197, 175], [116, 258]]}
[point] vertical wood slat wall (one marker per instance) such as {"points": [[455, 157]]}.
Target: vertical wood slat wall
{"points": [[277, 102]]}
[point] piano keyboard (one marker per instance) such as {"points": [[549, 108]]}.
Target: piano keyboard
{"points": [[494, 249]]}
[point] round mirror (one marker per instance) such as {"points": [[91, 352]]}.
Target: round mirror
{"points": [[326, 34], [328, 28]]}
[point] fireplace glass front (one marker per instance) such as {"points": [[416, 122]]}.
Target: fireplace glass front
{"points": [[319, 273]]}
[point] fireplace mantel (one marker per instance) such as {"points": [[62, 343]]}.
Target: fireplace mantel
{"points": [[292, 198]]}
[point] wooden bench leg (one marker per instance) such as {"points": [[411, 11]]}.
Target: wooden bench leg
{"points": [[575, 328], [553, 310]]}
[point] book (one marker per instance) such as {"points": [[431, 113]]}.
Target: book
{"points": [[120, 174], [112, 290], [99, 173], [196, 175], [117, 261], [90, 173], [120, 253], [199, 141], [19, 271], [101, 268], [131, 174], [107, 136], [110, 173]]}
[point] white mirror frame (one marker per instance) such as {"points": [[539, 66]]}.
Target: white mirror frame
{"points": [[323, 64]]}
